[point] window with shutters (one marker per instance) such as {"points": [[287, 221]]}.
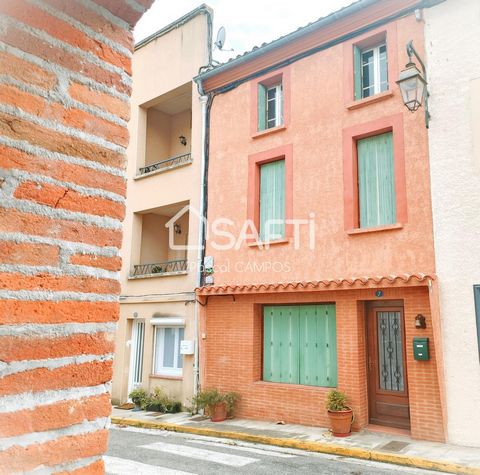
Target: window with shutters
{"points": [[300, 344], [270, 196], [371, 70], [272, 201], [370, 65], [270, 106], [270, 102], [376, 181]]}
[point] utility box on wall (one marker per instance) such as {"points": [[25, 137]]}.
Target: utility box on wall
{"points": [[187, 347], [420, 349]]}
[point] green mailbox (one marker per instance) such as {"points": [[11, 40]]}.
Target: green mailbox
{"points": [[420, 348]]}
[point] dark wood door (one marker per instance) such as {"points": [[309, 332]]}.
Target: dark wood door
{"points": [[387, 375]]}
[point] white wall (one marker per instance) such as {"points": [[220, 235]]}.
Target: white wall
{"points": [[452, 35]]}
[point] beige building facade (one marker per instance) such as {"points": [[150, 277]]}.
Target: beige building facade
{"points": [[156, 337]]}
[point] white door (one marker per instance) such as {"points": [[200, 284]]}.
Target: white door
{"points": [[136, 355]]}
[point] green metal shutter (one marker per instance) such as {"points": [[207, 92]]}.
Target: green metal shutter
{"points": [[357, 72], [262, 107], [318, 345], [376, 181], [280, 359], [272, 200]]}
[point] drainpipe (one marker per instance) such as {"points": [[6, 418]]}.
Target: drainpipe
{"points": [[201, 235]]}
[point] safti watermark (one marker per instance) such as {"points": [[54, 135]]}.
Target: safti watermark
{"points": [[222, 236], [266, 267]]}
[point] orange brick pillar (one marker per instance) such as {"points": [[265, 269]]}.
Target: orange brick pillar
{"points": [[65, 82]]}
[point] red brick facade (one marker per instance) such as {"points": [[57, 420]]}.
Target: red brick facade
{"points": [[232, 358], [64, 101]]}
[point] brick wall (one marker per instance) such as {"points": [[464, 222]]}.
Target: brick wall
{"points": [[232, 358], [64, 101]]}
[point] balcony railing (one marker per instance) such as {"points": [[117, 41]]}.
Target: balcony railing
{"points": [[168, 163], [160, 267]]}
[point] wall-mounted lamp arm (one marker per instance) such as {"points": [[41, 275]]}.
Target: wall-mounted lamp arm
{"points": [[411, 51]]}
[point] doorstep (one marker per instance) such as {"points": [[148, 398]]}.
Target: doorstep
{"points": [[381, 447]]}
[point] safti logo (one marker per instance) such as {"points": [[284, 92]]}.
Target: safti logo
{"points": [[222, 236]]}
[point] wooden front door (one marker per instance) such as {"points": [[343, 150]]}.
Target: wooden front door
{"points": [[387, 375]]}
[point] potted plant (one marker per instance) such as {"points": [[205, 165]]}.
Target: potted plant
{"points": [[139, 397], [219, 405], [339, 413]]}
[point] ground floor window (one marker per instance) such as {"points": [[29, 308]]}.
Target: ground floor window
{"points": [[300, 345], [167, 358]]}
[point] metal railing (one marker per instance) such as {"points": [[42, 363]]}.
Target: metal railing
{"points": [[160, 267], [168, 163]]}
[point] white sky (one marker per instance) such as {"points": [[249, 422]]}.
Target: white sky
{"points": [[248, 22]]}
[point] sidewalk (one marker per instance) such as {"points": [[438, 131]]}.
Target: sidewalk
{"points": [[381, 447]]}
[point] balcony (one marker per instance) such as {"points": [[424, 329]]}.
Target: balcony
{"points": [[161, 241], [167, 164], [165, 267], [167, 138]]}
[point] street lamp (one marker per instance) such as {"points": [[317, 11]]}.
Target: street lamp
{"points": [[413, 85]]}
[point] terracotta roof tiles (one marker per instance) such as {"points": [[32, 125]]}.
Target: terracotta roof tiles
{"points": [[324, 284]]}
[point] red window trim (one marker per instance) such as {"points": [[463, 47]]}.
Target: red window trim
{"points": [[351, 135], [389, 31], [280, 75], [285, 152]]}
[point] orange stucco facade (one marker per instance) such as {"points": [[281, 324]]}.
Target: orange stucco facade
{"points": [[323, 124]]}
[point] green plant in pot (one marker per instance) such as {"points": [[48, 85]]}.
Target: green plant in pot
{"points": [[219, 405], [139, 397], [340, 414]]}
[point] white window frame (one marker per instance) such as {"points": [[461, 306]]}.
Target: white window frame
{"points": [[376, 68], [137, 348], [278, 104], [163, 371]]}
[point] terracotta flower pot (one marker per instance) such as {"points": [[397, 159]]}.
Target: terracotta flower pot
{"points": [[218, 412], [341, 422]]}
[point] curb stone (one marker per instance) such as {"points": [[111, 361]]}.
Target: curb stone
{"points": [[354, 452]]}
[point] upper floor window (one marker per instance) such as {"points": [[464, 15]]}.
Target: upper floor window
{"points": [[376, 181], [371, 70], [270, 106], [272, 201]]}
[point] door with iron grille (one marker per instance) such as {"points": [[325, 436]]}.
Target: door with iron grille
{"points": [[387, 375]]}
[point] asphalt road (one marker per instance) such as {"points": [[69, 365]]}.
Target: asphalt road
{"points": [[135, 451]]}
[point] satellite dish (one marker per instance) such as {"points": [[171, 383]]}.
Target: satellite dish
{"points": [[220, 41]]}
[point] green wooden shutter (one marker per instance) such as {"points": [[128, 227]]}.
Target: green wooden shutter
{"points": [[281, 351], [376, 181], [308, 346], [328, 324], [262, 107], [357, 72], [272, 200], [318, 345]]}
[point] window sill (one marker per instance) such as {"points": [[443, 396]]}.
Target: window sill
{"points": [[273, 384], [160, 274], [272, 130], [390, 227], [167, 376], [370, 100], [267, 244]]}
